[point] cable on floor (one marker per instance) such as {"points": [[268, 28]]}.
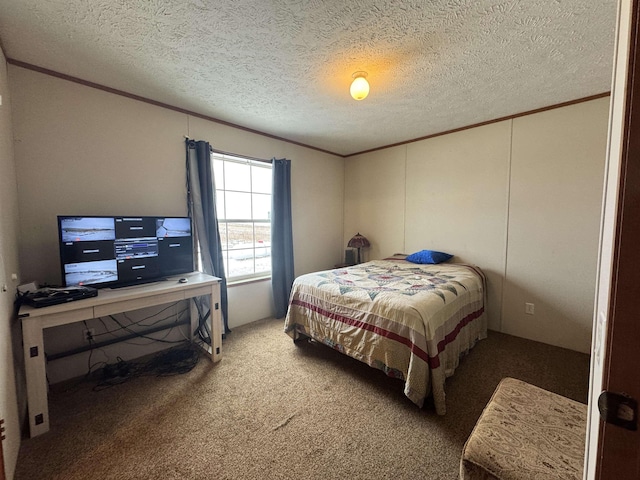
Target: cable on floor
{"points": [[174, 361]]}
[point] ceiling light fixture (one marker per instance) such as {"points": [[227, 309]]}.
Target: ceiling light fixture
{"points": [[359, 87]]}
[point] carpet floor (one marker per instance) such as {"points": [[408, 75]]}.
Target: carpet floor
{"points": [[274, 410]]}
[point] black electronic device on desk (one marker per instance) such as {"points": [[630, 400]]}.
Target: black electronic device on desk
{"points": [[123, 251], [44, 297]]}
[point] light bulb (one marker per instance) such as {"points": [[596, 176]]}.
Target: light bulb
{"points": [[359, 87]]}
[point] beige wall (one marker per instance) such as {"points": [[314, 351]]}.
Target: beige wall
{"points": [[85, 151], [456, 194], [557, 174], [520, 198], [9, 328], [374, 201]]}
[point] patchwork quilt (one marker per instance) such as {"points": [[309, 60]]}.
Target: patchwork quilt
{"points": [[409, 320]]}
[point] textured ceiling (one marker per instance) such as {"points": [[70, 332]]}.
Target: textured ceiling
{"points": [[283, 67]]}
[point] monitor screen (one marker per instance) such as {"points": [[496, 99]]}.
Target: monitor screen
{"points": [[113, 251]]}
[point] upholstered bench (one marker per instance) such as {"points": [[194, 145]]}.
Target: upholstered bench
{"points": [[526, 433]]}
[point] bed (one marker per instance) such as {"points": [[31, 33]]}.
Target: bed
{"points": [[412, 321]]}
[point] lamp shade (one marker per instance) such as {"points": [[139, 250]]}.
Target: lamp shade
{"points": [[358, 241]]}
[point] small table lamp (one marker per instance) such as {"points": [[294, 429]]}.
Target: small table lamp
{"points": [[358, 241]]}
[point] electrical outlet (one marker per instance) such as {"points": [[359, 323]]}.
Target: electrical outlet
{"points": [[88, 334], [529, 308]]}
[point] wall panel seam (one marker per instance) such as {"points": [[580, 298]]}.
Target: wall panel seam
{"points": [[506, 232]]}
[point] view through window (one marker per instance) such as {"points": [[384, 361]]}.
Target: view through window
{"points": [[243, 196]]}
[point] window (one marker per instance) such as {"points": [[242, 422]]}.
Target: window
{"points": [[243, 196]]}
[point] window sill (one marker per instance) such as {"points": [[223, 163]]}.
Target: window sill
{"points": [[247, 281]]}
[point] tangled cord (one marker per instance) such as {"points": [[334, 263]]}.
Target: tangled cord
{"points": [[174, 361]]}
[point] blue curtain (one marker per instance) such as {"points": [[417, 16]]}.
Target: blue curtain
{"points": [[281, 236], [202, 209]]}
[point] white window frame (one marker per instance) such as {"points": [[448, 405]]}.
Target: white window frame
{"points": [[224, 220]]}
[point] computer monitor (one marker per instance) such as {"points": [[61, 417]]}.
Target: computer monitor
{"points": [[116, 251]]}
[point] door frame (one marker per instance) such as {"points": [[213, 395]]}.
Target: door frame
{"points": [[611, 451]]}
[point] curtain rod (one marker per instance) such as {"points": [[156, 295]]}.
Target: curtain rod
{"points": [[254, 159], [222, 152]]}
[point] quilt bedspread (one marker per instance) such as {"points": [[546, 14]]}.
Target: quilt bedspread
{"points": [[411, 321]]}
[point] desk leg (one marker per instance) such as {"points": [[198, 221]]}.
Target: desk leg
{"points": [[36, 376], [193, 316], [215, 350], [216, 324]]}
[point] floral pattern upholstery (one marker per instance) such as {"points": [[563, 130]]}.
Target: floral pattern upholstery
{"points": [[526, 432]]}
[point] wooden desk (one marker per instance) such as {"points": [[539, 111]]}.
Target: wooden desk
{"points": [[108, 302]]}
